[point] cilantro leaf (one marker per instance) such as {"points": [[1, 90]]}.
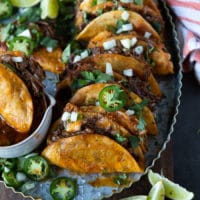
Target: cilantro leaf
{"points": [[138, 2], [49, 42], [120, 138], [121, 179], [88, 77], [138, 108], [134, 140]]}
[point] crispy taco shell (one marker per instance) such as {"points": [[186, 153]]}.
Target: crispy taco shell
{"points": [[110, 19], [90, 153], [120, 63], [148, 10], [89, 95], [87, 5], [17, 108], [49, 61], [161, 58]]}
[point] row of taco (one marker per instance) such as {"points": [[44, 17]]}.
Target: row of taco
{"points": [[105, 124]]}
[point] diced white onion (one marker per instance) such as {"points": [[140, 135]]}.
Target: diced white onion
{"points": [[97, 103], [74, 116], [139, 50], [28, 186], [128, 72], [6, 169], [126, 1], [65, 116], [119, 31], [17, 59], [120, 8], [109, 44], [125, 15], [133, 41], [25, 33], [130, 112], [109, 69], [147, 35], [20, 176], [127, 27], [126, 43], [77, 58], [49, 49], [84, 54]]}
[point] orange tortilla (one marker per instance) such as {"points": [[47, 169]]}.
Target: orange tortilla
{"points": [[90, 153], [16, 106]]}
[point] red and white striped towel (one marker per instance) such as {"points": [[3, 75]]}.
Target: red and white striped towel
{"points": [[188, 15]]}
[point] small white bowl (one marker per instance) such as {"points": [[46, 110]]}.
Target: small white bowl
{"points": [[34, 140]]}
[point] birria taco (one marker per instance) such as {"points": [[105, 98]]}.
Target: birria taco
{"points": [[22, 100], [87, 10], [113, 21], [132, 45]]}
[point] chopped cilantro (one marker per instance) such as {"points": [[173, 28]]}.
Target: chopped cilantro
{"points": [[31, 14], [157, 26], [119, 24], [138, 108], [120, 138], [121, 179], [134, 140], [99, 12], [66, 53], [49, 42], [5, 32], [85, 17], [139, 2], [88, 77], [148, 57], [111, 28], [94, 3]]}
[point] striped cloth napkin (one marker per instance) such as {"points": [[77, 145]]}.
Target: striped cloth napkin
{"points": [[188, 26]]}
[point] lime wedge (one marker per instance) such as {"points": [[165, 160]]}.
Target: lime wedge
{"points": [[137, 197], [49, 9], [24, 3], [172, 190], [157, 192]]}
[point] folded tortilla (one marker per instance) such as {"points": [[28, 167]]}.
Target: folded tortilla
{"points": [[88, 95], [90, 153], [16, 106], [110, 19], [154, 52]]}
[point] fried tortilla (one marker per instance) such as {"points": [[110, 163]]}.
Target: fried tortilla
{"points": [[17, 108], [89, 7], [89, 96], [109, 21], [154, 53], [90, 153], [49, 61], [120, 63]]}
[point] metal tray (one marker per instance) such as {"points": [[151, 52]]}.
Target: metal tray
{"points": [[165, 117]]}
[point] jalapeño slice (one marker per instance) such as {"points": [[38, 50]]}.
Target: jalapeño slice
{"points": [[10, 179], [36, 168], [63, 188], [112, 98], [21, 43]]}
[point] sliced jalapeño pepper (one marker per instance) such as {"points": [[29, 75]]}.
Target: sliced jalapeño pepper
{"points": [[36, 168], [6, 9], [21, 43], [112, 98], [10, 179], [63, 188]]}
